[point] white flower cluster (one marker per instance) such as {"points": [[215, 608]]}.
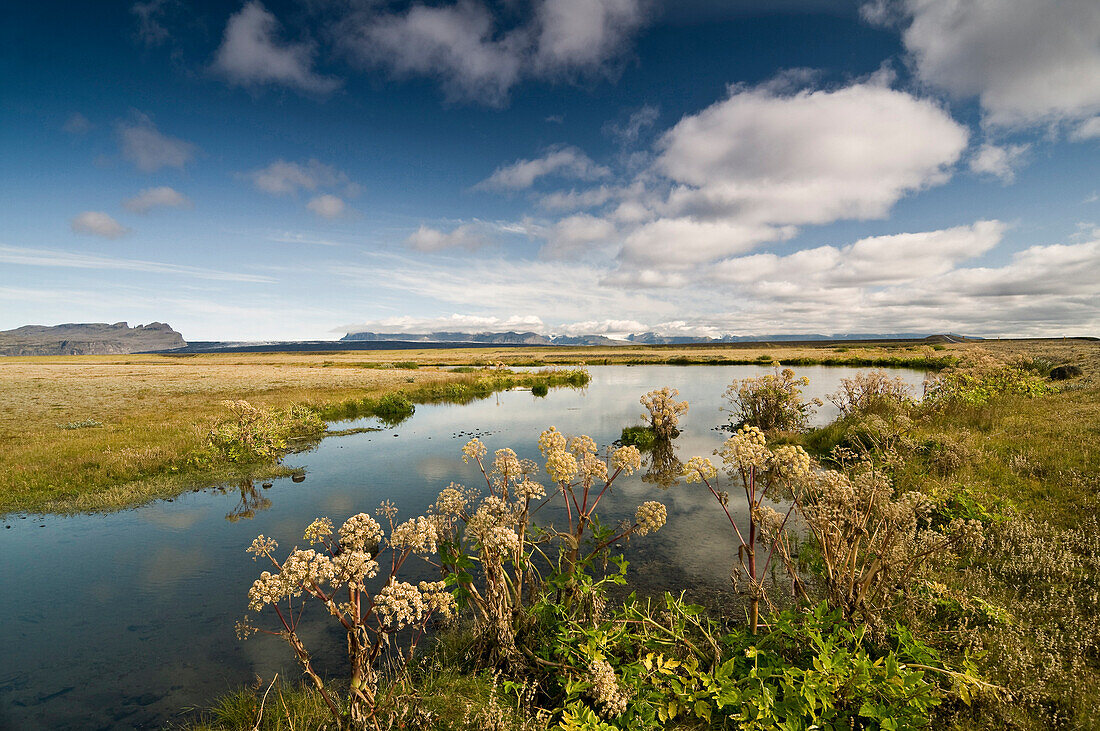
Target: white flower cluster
{"points": [[359, 532], [437, 598], [561, 465], [318, 530], [791, 464], [664, 411], [474, 450], [302, 569], [650, 516], [399, 604], [626, 459], [606, 691], [746, 450], [262, 546], [500, 542], [698, 469], [451, 501], [419, 535], [530, 490]]}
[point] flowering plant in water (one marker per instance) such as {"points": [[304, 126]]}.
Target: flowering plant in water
{"points": [[764, 474], [335, 574], [490, 546]]}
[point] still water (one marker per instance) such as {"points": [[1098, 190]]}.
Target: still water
{"points": [[126, 620]]}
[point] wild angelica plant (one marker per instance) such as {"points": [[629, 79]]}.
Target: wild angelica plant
{"points": [[490, 544], [340, 569], [763, 474], [772, 401], [663, 412]]}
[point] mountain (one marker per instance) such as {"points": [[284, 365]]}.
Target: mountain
{"points": [[504, 338], [96, 338]]}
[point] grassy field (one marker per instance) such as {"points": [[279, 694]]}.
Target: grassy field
{"points": [[101, 432], [104, 432]]}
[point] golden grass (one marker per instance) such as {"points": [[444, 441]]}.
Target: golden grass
{"points": [[155, 410]]}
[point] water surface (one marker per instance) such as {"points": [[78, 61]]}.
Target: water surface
{"points": [[126, 620]]}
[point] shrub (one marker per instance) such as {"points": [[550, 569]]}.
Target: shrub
{"points": [[540, 389], [261, 435], [871, 392], [394, 408], [641, 437], [663, 412], [980, 379], [771, 402]]}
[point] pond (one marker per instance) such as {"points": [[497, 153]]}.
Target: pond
{"points": [[126, 620]]}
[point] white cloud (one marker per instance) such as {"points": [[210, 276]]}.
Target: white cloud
{"points": [[283, 178], [628, 132], [449, 323], [579, 35], [574, 200], [97, 223], [479, 59], [998, 161], [150, 150], [680, 243], [327, 206], [808, 157], [74, 260], [564, 162], [151, 198], [468, 236], [251, 54], [77, 124], [576, 235], [456, 42], [1027, 61], [1087, 130], [872, 261]]}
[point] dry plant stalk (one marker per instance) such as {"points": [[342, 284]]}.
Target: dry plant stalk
{"points": [[345, 561]]}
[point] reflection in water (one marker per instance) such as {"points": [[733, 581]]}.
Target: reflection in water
{"points": [[663, 467], [252, 501]]}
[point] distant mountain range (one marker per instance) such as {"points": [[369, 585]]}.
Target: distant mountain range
{"points": [[646, 338], [97, 338], [119, 338]]}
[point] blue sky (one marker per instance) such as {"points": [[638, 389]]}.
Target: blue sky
{"points": [[294, 170]]}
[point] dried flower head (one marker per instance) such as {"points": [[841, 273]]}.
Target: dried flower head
{"points": [[361, 533], [262, 546], [626, 459], [606, 691], [561, 465], [699, 468], [474, 450], [451, 500], [418, 535], [551, 440], [650, 516], [746, 450]]}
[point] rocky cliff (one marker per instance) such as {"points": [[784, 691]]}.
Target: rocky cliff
{"points": [[97, 338]]}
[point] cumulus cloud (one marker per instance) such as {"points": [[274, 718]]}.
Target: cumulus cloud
{"points": [[327, 206], [563, 162], [578, 35], [162, 197], [148, 148], [285, 178], [810, 157], [478, 59], [872, 261], [97, 223], [251, 54], [998, 161], [576, 235], [468, 236], [1027, 62]]}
